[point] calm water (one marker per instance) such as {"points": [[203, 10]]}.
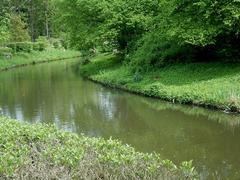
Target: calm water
{"points": [[55, 93]]}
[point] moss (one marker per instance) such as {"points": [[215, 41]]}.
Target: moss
{"points": [[43, 151]]}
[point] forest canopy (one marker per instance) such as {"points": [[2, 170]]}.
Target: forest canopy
{"points": [[155, 32], [148, 33]]}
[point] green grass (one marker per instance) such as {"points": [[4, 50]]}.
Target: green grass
{"points": [[42, 151], [36, 57], [205, 84]]}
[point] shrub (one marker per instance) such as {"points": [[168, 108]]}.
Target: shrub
{"points": [[137, 77], [5, 52], [12, 46], [36, 46], [44, 43], [27, 47], [35, 151], [24, 47], [56, 43], [42, 46]]}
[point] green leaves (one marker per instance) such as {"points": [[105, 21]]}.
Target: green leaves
{"points": [[118, 22], [33, 149], [4, 30]]}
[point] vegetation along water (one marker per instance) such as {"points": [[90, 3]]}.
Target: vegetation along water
{"points": [[185, 52]]}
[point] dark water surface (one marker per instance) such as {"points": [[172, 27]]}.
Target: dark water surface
{"points": [[55, 93]]}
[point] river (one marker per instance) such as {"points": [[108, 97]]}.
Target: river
{"points": [[55, 93]]}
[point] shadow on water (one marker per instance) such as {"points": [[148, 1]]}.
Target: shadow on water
{"points": [[54, 93]]}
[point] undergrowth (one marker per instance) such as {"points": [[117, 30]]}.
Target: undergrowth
{"points": [[44, 152]]}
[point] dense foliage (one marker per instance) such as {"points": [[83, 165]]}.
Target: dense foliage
{"points": [[4, 31], [42, 151], [153, 33], [106, 24], [38, 15], [149, 33]]}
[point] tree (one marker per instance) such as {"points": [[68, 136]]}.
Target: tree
{"points": [[4, 30], [37, 14], [18, 29], [117, 23]]}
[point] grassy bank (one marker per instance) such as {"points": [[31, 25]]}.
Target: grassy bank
{"points": [[213, 85], [41, 151], [36, 57]]}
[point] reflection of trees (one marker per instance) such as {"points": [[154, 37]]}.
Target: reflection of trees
{"points": [[184, 134], [231, 121]]}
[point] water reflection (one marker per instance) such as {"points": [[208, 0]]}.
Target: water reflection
{"points": [[54, 93]]}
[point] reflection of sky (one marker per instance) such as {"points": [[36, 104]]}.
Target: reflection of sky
{"points": [[107, 105]]}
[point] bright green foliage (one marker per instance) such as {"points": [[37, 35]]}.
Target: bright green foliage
{"points": [[4, 51], [43, 151], [202, 30], [22, 58], [153, 33], [38, 46], [108, 24], [56, 43], [100, 63], [4, 30], [206, 84], [43, 43], [18, 28]]}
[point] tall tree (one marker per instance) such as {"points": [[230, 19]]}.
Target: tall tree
{"points": [[18, 29]]}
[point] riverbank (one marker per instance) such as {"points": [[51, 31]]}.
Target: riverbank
{"points": [[35, 57], [33, 151], [212, 85]]}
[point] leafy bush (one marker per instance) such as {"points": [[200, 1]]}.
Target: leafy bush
{"points": [[36, 46], [24, 47], [4, 29], [44, 43], [5, 51], [56, 43], [13, 46], [41, 46], [43, 151]]}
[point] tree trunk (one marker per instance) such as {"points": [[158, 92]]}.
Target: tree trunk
{"points": [[46, 19]]}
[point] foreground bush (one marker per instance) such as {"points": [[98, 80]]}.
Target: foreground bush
{"points": [[43, 152]]}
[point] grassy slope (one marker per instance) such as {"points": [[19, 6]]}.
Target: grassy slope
{"points": [[206, 84], [36, 57], [41, 151]]}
